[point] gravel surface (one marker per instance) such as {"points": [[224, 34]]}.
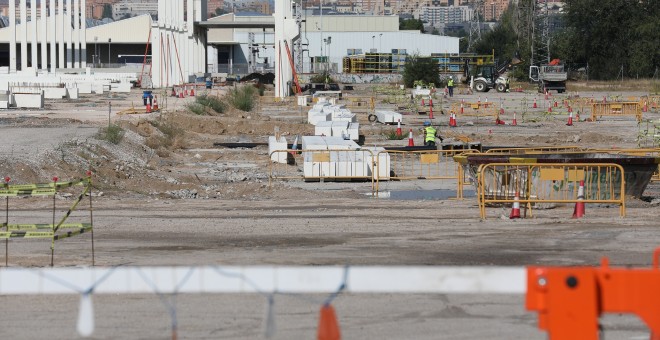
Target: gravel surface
{"points": [[180, 201]]}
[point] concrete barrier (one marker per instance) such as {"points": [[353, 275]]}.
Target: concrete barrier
{"points": [[34, 100]]}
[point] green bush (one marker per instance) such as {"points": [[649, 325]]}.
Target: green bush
{"points": [[322, 78], [242, 98], [113, 134], [197, 109], [391, 135], [211, 101], [203, 103]]}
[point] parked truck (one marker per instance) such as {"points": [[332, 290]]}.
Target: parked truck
{"points": [[551, 76]]}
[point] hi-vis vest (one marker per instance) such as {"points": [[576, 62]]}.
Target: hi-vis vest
{"points": [[430, 134], [450, 82]]}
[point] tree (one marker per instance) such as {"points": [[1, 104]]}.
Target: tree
{"points": [[420, 68], [435, 31], [611, 35], [411, 24], [107, 11], [219, 11]]}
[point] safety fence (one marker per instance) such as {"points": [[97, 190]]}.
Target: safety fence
{"points": [[321, 165], [616, 109], [474, 110], [54, 231], [534, 150], [652, 152], [360, 102], [427, 165], [534, 183], [365, 165]]}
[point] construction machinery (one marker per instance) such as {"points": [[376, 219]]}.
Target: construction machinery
{"points": [[550, 76], [485, 77]]}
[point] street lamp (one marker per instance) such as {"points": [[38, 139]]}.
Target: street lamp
{"points": [[380, 43], [109, 41], [373, 42], [96, 51]]}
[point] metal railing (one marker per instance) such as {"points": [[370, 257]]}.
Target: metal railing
{"points": [[500, 183], [427, 165], [616, 109], [321, 165], [474, 110], [534, 150]]}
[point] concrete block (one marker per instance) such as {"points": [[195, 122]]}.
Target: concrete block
{"points": [[339, 129], [277, 145], [353, 131], [388, 117], [319, 117], [55, 92], [381, 168], [120, 87], [97, 88], [303, 100], [4, 104], [323, 128], [344, 117], [29, 100], [72, 93]]}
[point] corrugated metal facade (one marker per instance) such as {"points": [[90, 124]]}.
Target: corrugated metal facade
{"points": [[412, 41], [129, 31]]}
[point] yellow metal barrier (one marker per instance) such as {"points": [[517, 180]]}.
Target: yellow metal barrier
{"points": [[535, 183], [474, 110], [428, 165], [533, 150], [320, 165], [360, 102], [616, 109], [55, 231]]}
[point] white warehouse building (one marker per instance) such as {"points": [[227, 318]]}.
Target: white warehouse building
{"points": [[322, 36]]}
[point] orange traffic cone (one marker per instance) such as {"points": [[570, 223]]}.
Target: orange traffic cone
{"points": [[452, 120], [556, 103], [546, 94], [192, 91], [430, 109], [156, 103], [570, 119], [570, 109], [515, 210], [514, 122], [173, 92], [181, 94], [398, 129], [423, 102], [328, 324], [578, 211], [186, 90], [479, 101], [645, 108], [534, 106], [549, 108], [498, 121], [411, 142], [148, 108], [501, 110], [462, 108]]}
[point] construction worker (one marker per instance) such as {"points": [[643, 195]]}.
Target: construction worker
{"points": [[508, 84], [429, 134], [450, 86]]}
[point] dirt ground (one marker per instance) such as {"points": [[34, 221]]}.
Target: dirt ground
{"points": [[166, 196]]}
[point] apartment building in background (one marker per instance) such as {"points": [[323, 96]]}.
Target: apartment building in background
{"points": [[130, 8]]}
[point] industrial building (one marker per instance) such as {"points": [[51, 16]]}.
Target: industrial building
{"points": [[326, 40]]}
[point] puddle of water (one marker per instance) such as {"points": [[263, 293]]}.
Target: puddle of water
{"points": [[440, 194]]}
